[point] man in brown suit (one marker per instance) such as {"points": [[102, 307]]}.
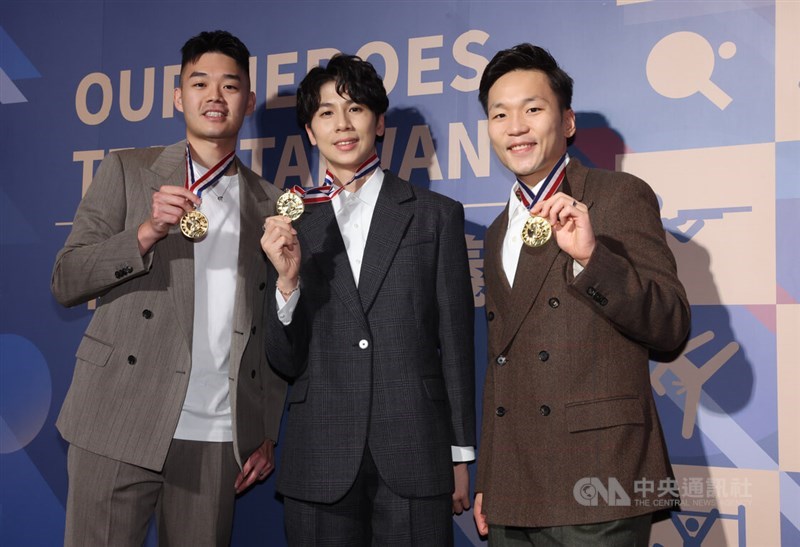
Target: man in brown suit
{"points": [[569, 422], [172, 408]]}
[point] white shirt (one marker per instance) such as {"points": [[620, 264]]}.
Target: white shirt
{"points": [[353, 212], [512, 242], [206, 414]]}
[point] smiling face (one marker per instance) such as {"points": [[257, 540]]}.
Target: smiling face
{"points": [[527, 126], [214, 96], [344, 131]]}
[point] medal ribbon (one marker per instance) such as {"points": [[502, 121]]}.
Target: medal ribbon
{"points": [[210, 178], [551, 185], [329, 190]]}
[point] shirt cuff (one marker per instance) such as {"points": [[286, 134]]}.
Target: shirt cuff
{"points": [[286, 307], [463, 454]]}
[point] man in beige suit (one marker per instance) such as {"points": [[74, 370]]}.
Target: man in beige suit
{"points": [[575, 299], [172, 408]]}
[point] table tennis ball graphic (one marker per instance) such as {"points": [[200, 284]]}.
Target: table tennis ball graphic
{"points": [[681, 64]]}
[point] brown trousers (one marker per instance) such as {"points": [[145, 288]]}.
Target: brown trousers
{"points": [[111, 502]]}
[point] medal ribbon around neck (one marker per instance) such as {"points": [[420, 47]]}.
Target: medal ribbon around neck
{"points": [[208, 180], [328, 190], [551, 185], [537, 230]]}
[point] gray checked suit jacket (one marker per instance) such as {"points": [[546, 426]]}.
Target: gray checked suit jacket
{"points": [[388, 364], [133, 363]]}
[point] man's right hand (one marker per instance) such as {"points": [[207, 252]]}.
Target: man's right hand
{"points": [[281, 246], [169, 204], [477, 514]]}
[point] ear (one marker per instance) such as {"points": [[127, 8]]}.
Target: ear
{"points": [[177, 99], [380, 127], [568, 121], [310, 133], [251, 103]]}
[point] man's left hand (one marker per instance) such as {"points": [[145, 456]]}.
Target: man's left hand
{"points": [[461, 493], [572, 227], [257, 467]]}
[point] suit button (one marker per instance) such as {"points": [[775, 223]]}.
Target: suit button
{"points": [[545, 410], [253, 330], [490, 316], [261, 286], [147, 314], [501, 360], [544, 356], [603, 301], [253, 373], [591, 291], [554, 303], [128, 269], [118, 274], [363, 344], [131, 360], [500, 411]]}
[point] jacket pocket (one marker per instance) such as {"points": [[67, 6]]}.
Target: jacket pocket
{"points": [[298, 392], [434, 389], [604, 413], [93, 351]]}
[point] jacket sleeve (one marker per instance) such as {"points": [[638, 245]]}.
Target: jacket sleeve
{"points": [[456, 325], [631, 278], [102, 250], [286, 345]]}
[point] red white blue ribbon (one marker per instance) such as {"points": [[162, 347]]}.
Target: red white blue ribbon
{"points": [[208, 180], [551, 185], [328, 190]]}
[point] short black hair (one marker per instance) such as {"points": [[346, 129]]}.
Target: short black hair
{"points": [[216, 41], [353, 76], [526, 57]]}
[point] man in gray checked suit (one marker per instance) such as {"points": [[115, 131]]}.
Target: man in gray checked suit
{"points": [[373, 318], [172, 408]]}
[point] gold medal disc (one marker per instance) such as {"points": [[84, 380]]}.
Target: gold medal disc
{"points": [[537, 232], [290, 205], [194, 224]]}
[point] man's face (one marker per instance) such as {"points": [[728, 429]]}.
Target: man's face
{"points": [[214, 96], [527, 127], [344, 131]]}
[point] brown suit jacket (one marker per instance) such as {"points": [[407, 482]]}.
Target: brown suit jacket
{"points": [[567, 393], [133, 363]]}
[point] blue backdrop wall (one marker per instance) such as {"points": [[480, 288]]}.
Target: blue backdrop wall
{"points": [[701, 99]]}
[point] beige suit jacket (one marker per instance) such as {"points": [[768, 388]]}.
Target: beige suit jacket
{"points": [[567, 394], [133, 363]]}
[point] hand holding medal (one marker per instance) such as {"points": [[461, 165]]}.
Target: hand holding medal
{"points": [[569, 220]]}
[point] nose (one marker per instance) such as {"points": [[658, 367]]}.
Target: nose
{"points": [[343, 122], [214, 94], [516, 124]]}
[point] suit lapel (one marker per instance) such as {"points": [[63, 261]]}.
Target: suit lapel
{"points": [[319, 233], [255, 205], [535, 263], [169, 169], [389, 222]]}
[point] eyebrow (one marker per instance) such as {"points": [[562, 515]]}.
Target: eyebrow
{"points": [[522, 102], [330, 105], [198, 74]]}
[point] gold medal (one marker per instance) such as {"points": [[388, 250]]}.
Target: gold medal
{"points": [[290, 205], [194, 224], [537, 232]]}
